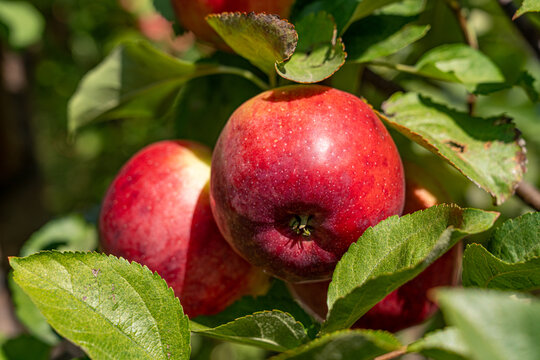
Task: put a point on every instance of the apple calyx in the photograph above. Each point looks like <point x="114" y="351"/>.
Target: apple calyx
<point x="300" y="225"/>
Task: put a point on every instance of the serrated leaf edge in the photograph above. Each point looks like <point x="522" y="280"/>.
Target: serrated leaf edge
<point x="289" y="52"/>
<point x="321" y="339"/>
<point x="139" y="267"/>
<point x="520" y="156"/>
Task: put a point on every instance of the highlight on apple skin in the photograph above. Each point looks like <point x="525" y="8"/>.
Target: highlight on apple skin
<point x="192" y="13"/>
<point x="157" y="212"/>
<point x="408" y="305"/>
<point x="298" y="174"/>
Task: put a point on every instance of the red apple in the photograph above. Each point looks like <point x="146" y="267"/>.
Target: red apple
<point x="298" y="174"/>
<point x="409" y="304"/>
<point x="157" y="212"/>
<point x="192" y="13"/>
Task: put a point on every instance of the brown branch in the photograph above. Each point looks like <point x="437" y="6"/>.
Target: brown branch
<point x="470" y="39"/>
<point x="392" y="355"/>
<point x="529" y="194"/>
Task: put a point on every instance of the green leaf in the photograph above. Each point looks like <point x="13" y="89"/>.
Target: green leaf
<point x="30" y="316"/>
<point x="71" y="232"/>
<point x="24" y="347"/>
<point x="271" y="330"/>
<point x="494" y="325"/>
<point x="319" y="53"/>
<point x="24" y="22"/>
<point x="108" y="306"/>
<point x="345" y="345"/>
<point x="135" y="80"/>
<point x="278" y="297"/>
<point x="445" y="344"/>
<point x="525" y="81"/>
<point x="67" y="233"/>
<point x="483" y="269"/>
<point x="527" y="6"/>
<point x="403" y="8"/>
<point x="489" y="152"/>
<point x="263" y="39"/>
<point x="514" y="261"/>
<point x="377" y="36"/>
<point x="517" y="239"/>
<point x="393" y="252"/>
<point x="459" y="63"/>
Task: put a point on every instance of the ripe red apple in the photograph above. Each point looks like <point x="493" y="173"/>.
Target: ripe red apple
<point x="192" y="13"/>
<point x="409" y="304"/>
<point x="157" y="212"/>
<point x="298" y="174"/>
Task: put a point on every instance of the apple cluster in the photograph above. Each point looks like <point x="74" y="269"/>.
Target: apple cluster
<point x="297" y="174"/>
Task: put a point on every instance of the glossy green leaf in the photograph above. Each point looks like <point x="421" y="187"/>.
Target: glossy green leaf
<point x="24" y="23"/>
<point x="135" y="80"/>
<point x="527" y="6"/>
<point x="490" y="152"/>
<point x="381" y="35"/>
<point x="270" y="330"/>
<point x="319" y="53"/>
<point x="263" y="39"/>
<point x="278" y="297"/>
<point x="29" y="315"/>
<point x="108" y="306"/>
<point x="393" y="252"/>
<point x="494" y="325"/>
<point x="345" y="345"/>
<point x="68" y="233"/>
<point x="445" y="344"/>
<point x="459" y="63"/>
<point x="517" y="239"/>
<point x="483" y="269"/>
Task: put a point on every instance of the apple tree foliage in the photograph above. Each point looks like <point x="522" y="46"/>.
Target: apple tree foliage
<point x="428" y="88"/>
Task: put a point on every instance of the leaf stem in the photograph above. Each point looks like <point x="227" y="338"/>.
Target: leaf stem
<point x="393" y="354"/>
<point x="399" y="67"/>
<point x="272" y="79"/>
<point x="221" y="69"/>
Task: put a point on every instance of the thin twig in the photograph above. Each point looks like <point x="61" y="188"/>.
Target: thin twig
<point x="524" y="26"/>
<point x="222" y="69"/>
<point x="468" y="34"/>
<point x="393" y="354"/>
<point x="529" y="194"/>
<point x="470" y="39"/>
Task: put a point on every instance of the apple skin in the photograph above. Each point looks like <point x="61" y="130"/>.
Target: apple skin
<point x="311" y="152"/>
<point x="192" y="13"/>
<point x="409" y="304"/>
<point x="157" y="213"/>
